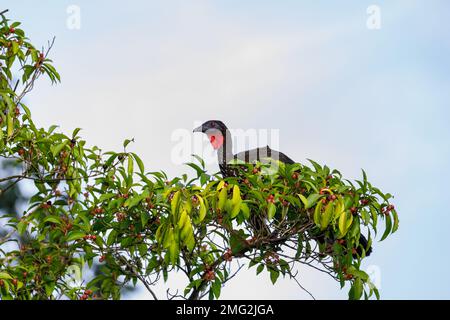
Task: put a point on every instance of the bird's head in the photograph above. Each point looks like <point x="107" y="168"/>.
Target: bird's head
<point x="216" y="131"/>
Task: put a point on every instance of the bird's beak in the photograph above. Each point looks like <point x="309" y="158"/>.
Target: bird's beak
<point x="198" y="129"/>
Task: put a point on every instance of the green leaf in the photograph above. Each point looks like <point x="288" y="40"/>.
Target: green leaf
<point x="106" y="196"/>
<point x="126" y="142"/>
<point x="56" y="150"/>
<point x="222" y="198"/>
<point x="271" y="210"/>
<point x="304" y="200"/>
<point x="5" y="276"/>
<point x="15" y="47"/>
<point x="139" y="162"/>
<point x="22" y="227"/>
<point x="236" y="199"/>
<point x="74" y="235"/>
<point x="52" y="219"/>
<point x="388" y="227"/>
<point x="395" y="216"/>
<point x="326" y="216"/>
<point x="130" y="167"/>
<point x="174" y="202"/>
<point x="274" y="274"/>
<point x="202" y="210"/>
<point x="111" y="237"/>
<point x="259" y="269"/>
<point x="312" y="200"/>
<point x="357" y="289"/>
<point x="345" y="220"/>
<point x="245" y="210"/>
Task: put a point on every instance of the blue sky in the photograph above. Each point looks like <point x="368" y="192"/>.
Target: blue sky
<point x="338" y="92"/>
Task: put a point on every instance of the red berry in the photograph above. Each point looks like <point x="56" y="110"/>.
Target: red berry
<point x="14" y="282"/>
<point x="88" y="292"/>
<point x="21" y="152"/>
<point x="84" y="297"/>
<point x="333" y="197"/>
<point x="353" y="210"/>
<point x="25" y="274"/>
<point x="102" y="258"/>
<point x="295" y="176"/>
<point x="12" y="30"/>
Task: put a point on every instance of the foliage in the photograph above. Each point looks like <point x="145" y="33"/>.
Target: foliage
<point x="91" y="205"/>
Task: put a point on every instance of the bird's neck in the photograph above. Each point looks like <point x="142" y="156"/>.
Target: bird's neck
<point x="225" y="152"/>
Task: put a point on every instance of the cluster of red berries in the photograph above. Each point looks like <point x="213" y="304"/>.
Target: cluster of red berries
<point x="86" y="294"/>
<point x="67" y="228"/>
<point x="255" y="171"/>
<point x="387" y="209"/>
<point x="354" y="210"/>
<point x="348" y="276"/>
<point x="209" y="275"/>
<point x="124" y="196"/>
<point x="228" y="255"/>
<point x="295" y="176"/>
<point x="364" y="202"/>
<point x="96" y="211"/>
<point x="102" y="258"/>
<point x="120" y="216"/>
<point x="90" y="237"/>
<point x="271" y="198"/>
<point x="194" y="200"/>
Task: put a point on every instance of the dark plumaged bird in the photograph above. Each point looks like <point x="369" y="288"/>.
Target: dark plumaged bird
<point x="220" y="138"/>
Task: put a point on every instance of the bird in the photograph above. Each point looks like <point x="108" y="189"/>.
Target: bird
<point x="221" y="140"/>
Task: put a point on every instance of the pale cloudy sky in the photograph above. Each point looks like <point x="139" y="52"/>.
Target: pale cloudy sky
<point x="337" y="92"/>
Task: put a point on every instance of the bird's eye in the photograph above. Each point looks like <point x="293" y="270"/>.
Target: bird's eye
<point x="212" y="139"/>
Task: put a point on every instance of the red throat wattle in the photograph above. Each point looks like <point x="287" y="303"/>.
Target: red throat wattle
<point x="216" y="140"/>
